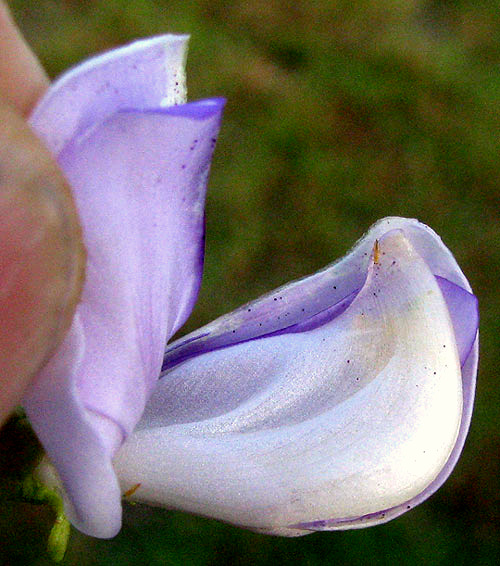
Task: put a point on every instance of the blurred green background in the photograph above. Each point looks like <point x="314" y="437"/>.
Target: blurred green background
<point x="339" y="113"/>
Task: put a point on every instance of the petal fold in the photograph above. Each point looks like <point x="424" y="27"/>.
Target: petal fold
<point x="306" y="302"/>
<point x="148" y="73"/>
<point x="464" y="312"/>
<point x="329" y="403"/>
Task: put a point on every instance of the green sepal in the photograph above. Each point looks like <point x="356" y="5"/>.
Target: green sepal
<point x="58" y="538"/>
<point x="20" y="454"/>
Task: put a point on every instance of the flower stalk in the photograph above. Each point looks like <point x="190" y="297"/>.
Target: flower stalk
<point x="21" y="455"/>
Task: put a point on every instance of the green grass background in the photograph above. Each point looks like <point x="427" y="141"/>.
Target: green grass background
<point x="338" y="113"/>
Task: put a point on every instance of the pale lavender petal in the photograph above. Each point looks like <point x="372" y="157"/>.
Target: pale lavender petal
<point x="354" y="416"/>
<point x="142" y="207"/>
<point x="68" y="432"/>
<point x="146" y="74"/>
<point x="139" y="181"/>
<point x="323" y="294"/>
<point x="138" y="171"/>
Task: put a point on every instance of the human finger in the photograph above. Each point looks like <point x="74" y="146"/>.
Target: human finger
<point x="42" y="257"/>
<point x="22" y="78"/>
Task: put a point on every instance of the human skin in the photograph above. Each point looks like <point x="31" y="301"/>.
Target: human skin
<point x="22" y="78"/>
<point x="42" y="257"/>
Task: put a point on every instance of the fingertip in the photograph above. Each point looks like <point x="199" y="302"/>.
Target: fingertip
<point x="22" y="78"/>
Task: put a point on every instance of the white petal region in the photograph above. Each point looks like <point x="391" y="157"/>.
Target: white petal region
<point x="355" y="416"/>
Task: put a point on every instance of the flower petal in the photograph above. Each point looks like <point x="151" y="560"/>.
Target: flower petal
<point x="139" y="182"/>
<point x="334" y="287"/>
<point x="464" y="314"/>
<point x="354" y="416"/>
<point x="145" y="74"/>
<point x="139" y="178"/>
<point x="92" y="495"/>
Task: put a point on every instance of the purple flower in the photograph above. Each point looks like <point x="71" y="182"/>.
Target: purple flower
<point x="137" y="159"/>
<point x="337" y="401"/>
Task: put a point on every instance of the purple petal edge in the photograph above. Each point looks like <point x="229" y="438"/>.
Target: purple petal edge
<point x="463" y="307"/>
<point x="464" y="312"/>
<point x="198" y="110"/>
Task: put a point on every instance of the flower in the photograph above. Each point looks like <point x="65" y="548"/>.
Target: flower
<point x="137" y="159"/>
<point x="338" y="401"/>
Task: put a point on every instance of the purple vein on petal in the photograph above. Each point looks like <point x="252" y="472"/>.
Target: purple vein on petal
<point x="297" y="302"/>
<point x="309" y="323"/>
<point x="463" y="307"/>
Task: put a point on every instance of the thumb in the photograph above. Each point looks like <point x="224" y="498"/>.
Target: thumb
<point x="42" y="257"/>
